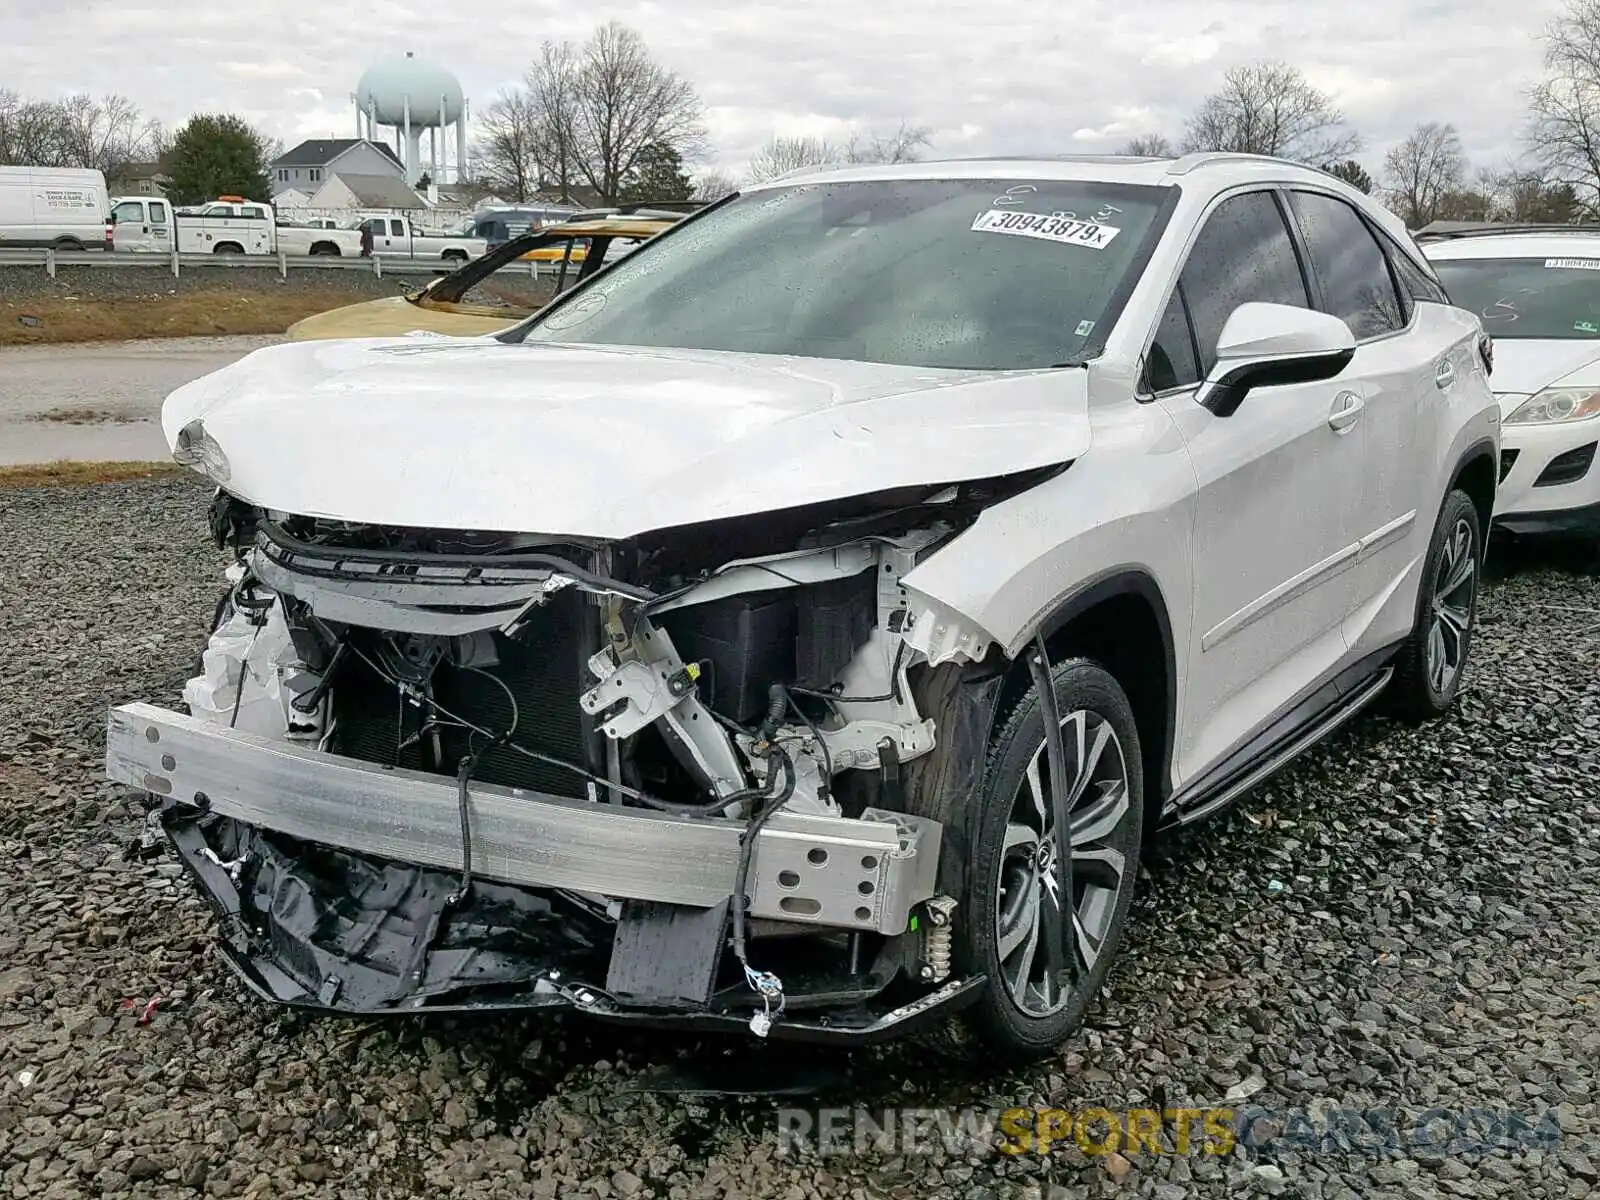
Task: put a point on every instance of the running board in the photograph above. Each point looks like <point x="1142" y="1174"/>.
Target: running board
<point x="1204" y="805"/>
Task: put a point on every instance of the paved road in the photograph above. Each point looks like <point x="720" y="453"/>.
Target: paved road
<point x="114" y="389"/>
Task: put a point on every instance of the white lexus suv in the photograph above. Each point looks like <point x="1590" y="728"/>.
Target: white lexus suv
<point x="1537" y="292"/>
<point x="801" y="625"/>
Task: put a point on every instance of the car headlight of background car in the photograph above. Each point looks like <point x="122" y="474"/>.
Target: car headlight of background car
<point x="1556" y="405"/>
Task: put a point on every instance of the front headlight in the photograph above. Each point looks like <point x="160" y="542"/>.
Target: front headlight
<point x="1555" y="405"/>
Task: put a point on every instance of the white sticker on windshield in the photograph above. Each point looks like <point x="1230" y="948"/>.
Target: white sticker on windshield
<point x="1572" y="264"/>
<point x="1049" y="227"/>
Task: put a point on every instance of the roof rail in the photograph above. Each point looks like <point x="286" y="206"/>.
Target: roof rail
<point x="1205" y="158"/>
<point x="1065" y="158"/>
<point x="1495" y="229"/>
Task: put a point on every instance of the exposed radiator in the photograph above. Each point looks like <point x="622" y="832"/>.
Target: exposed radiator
<point x="546" y="671"/>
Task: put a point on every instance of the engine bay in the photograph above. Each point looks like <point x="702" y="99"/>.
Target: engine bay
<point x="699" y="678"/>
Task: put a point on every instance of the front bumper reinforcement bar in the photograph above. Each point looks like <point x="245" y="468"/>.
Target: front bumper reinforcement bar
<point x="833" y="872"/>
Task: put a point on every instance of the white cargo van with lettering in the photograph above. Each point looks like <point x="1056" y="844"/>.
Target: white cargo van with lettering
<point x="50" y="207"/>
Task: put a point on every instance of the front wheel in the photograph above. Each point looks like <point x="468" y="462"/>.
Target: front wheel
<point x="1429" y="670"/>
<point x="1045" y="947"/>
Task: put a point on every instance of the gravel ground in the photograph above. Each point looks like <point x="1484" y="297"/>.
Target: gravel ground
<point x="1409" y="918"/>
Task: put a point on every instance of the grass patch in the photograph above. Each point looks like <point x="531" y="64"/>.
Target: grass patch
<point x="46" y="320"/>
<point x="63" y="473"/>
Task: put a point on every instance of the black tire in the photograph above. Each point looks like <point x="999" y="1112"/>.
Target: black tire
<point x="1416" y="693"/>
<point x="997" y="1026"/>
<point x="322" y="249"/>
<point x="68" y="244"/>
<point x="454" y="256"/>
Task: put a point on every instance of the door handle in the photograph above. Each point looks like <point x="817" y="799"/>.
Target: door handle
<point x="1445" y="374"/>
<point x="1346" y="411"/>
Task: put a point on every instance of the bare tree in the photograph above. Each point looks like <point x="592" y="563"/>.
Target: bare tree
<point x="780" y="155"/>
<point x="710" y="186"/>
<point x="1526" y="193"/>
<point x="507" y="161"/>
<point x="78" y="131"/>
<point x="1270" y="108"/>
<point x="1420" y="172"/>
<point x="33" y="135"/>
<point x="552" y="84"/>
<point x="905" y="144"/>
<point x="1147" y="145"/>
<point x="625" y="102"/>
<point x="107" y="134"/>
<point x="1563" y="133"/>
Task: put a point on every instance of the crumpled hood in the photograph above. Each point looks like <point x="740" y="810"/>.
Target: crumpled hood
<point x="472" y="433"/>
<point x="1523" y="366"/>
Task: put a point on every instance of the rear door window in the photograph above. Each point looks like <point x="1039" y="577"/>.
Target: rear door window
<point x="1414" y="280"/>
<point x="1356" y="284"/>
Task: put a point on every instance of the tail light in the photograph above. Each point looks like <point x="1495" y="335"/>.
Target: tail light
<point x="1486" y="352"/>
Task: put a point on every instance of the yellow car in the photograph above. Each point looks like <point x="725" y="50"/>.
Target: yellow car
<point x="496" y="291"/>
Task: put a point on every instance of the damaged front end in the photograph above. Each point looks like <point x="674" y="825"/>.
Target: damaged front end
<point x="700" y="778"/>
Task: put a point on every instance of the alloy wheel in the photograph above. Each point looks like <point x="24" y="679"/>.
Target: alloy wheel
<point x="1454" y="590"/>
<point x="1031" y="936"/>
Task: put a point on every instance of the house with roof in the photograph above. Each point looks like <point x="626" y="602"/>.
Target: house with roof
<point x="138" y="179"/>
<point x="341" y="174"/>
<point x="353" y="191"/>
<point x="312" y="163"/>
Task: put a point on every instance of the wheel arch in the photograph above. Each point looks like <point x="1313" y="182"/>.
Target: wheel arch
<point x="1120" y="619"/>
<point x="1477" y="472"/>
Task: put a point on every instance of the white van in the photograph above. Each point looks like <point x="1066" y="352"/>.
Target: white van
<point x="52" y="206"/>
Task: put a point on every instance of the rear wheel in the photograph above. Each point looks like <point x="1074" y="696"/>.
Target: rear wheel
<point x="68" y="244"/>
<point x="325" y="248"/>
<point x="454" y="256"/>
<point x="228" y="248"/>
<point x="1430" y="667"/>
<point x="1046" y="949"/>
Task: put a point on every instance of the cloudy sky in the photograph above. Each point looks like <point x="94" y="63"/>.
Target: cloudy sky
<point x="1002" y="78"/>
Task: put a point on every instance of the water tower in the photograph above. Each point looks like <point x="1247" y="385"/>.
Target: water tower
<point x="409" y="95"/>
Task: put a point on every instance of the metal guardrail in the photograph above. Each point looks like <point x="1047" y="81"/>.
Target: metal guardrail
<point x="50" y="260"/>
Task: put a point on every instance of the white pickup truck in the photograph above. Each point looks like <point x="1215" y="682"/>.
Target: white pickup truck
<point x="142" y="225"/>
<point x="397" y="237"/>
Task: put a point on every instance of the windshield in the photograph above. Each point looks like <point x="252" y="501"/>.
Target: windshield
<point x="1527" y="297"/>
<point x="966" y="274"/>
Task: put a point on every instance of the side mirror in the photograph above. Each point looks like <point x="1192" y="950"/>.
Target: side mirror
<point x="1272" y="345"/>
